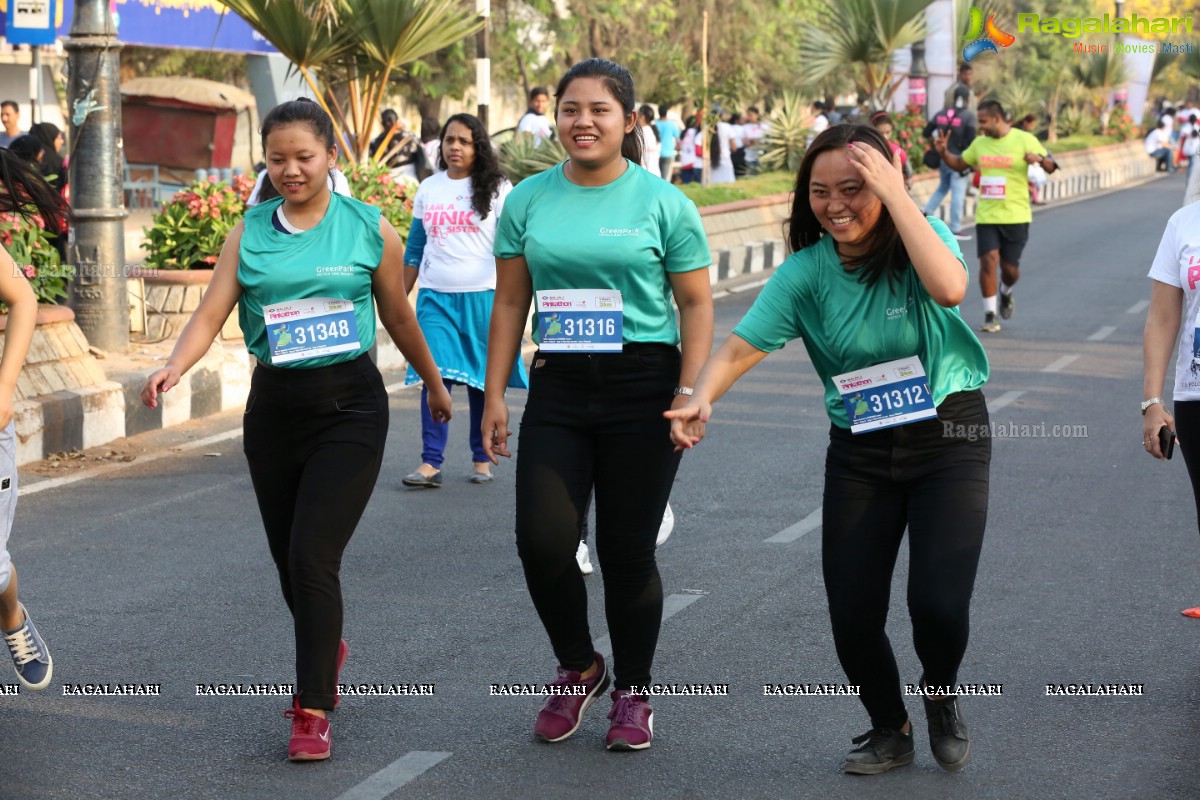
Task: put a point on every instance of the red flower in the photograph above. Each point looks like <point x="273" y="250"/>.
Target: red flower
<point x="29" y="271"/>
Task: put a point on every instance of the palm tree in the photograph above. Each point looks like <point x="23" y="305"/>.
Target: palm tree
<point x="354" y="46"/>
<point x="858" y="37"/>
<point x="1101" y="73"/>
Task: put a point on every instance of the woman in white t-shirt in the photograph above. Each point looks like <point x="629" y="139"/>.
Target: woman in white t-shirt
<point x="1173" y="322"/>
<point x="722" y="158"/>
<point x="651" y="144"/>
<point x="450" y="249"/>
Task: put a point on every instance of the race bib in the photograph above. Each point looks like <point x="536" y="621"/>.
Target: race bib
<point x="992" y="187"/>
<point x="580" y="321"/>
<point x="886" y="395"/>
<point x="301" y="329"/>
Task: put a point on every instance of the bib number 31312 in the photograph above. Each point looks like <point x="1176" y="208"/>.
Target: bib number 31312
<point x="885" y="395"/>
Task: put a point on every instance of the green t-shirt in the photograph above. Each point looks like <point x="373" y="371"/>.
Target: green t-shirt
<point x="626" y="235"/>
<point x="337" y="258"/>
<point x="1002" y="166"/>
<point x="847" y="325"/>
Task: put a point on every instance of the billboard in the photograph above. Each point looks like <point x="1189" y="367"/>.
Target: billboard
<point x="197" y="24"/>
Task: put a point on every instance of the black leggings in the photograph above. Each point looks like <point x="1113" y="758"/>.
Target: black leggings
<point x="314" y="440"/>
<point x="1187" y="426"/>
<point x="596" y="421"/>
<point x="876" y="485"/>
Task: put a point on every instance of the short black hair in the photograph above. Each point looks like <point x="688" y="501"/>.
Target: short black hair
<point x="993" y="107"/>
<point x="538" y="91"/>
<point x="12" y="103"/>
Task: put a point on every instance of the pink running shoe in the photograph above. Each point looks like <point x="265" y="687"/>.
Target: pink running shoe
<point x="632" y="725"/>
<point x="343" y="651"/>
<point x="310" y="735"/>
<point x="563" y="712"/>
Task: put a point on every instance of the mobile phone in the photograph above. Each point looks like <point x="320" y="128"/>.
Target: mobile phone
<point x="1166" y="441"/>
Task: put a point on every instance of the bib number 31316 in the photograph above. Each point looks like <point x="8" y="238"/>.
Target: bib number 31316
<point x="303" y="329"/>
<point x="580" y="321"/>
<point x="885" y="395"/>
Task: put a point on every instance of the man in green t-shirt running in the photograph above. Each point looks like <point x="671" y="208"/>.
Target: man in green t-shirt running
<point x="1002" y="155"/>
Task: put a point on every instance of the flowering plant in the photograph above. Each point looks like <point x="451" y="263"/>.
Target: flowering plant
<point x="28" y="242"/>
<point x="372" y="182"/>
<point x="909" y="126"/>
<point x="188" y="231"/>
<point x="1120" y="124"/>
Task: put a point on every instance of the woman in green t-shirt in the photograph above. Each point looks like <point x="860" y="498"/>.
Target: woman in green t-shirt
<point x="604" y="246"/>
<point x="873" y="288"/>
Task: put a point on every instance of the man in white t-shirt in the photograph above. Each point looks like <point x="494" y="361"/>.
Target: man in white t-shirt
<point x="535" y="122"/>
<point x="1158" y="147"/>
<point x="752" y="133"/>
<point x="818" y="123"/>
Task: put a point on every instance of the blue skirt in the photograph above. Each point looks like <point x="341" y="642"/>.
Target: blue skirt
<point x="456" y="326"/>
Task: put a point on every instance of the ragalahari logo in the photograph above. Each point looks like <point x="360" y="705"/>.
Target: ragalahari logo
<point x="984" y="37"/>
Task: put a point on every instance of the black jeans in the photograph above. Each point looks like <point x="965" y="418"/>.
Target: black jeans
<point x="1187" y="426"/>
<point x="314" y="440"/>
<point x="597" y="421"/>
<point x="930" y="477"/>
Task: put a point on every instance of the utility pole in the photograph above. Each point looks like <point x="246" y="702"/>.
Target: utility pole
<point x="483" y="65"/>
<point x="97" y="243"/>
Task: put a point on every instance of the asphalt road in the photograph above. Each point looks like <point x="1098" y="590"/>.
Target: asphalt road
<point x="158" y="573"/>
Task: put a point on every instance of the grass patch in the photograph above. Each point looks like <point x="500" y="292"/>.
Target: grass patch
<point x="762" y="185"/>
<point x="1082" y="141"/>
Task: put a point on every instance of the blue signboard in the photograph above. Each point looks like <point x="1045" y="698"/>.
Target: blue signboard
<point x="197" y="24"/>
<point x="30" y="21"/>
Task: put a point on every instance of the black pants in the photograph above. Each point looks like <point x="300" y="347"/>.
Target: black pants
<point x="596" y="421"/>
<point x="314" y="440"/>
<point x="1187" y="426"/>
<point x="933" y="479"/>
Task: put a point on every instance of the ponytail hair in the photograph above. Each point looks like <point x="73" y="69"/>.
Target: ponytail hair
<point x="619" y="83"/>
<point x="24" y="191"/>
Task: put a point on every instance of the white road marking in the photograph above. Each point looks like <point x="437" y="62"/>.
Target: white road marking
<point x="1102" y="334"/>
<point x="1138" y="307"/>
<point x="66" y="480"/>
<point x="794" y="532"/>
<point x="720" y="294"/>
<point x="394" y="775"/>
<point x="1003" y="400"/>
<point x="672" y="605"/>
<point x="1058" y="365"/>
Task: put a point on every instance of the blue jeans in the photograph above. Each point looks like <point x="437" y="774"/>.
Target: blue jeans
<point x="435" y="434"/>
<point x="1163" y="157"/>
<point x="956" y="185"/>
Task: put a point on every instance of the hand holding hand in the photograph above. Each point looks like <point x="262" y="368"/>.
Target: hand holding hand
<point x="689" y="421"/>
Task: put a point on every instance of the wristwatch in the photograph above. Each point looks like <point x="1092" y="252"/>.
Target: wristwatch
<point x="1147" y="403"/>
<point x="689" y="391"/>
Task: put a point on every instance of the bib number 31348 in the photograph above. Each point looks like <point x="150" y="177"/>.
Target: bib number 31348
<point x="303" y="329"/>
<point x="885" y="395"/>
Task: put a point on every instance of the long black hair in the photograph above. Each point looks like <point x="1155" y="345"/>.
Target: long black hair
<point x="619" y="83"/>
<point x="885" y="251"/>
<point x="646" y="112"/>
<point x="301" y="111"/>
<point x="52" y="161"/>
<point x="486" y="174"/>
<point x="24" y="191"/>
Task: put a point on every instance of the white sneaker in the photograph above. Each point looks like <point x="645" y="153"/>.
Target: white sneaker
<point x="583" y="559"/>
<point x="668" y="525"/>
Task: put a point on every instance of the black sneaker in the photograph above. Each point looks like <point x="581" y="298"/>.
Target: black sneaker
<point x="879" y="750"/>
<point x="1007" y="304"/>
<point x="948" y="736"/>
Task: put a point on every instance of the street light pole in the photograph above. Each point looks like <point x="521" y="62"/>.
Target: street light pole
<point x="483" y="64"/>
<point x="918" y="73"/>
<point x="97" y="294"/>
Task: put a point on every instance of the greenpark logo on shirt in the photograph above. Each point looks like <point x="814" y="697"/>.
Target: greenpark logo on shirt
<point x="340" y="269"/>
<point x="899" y="311"/>
<point x="620" y="231"/>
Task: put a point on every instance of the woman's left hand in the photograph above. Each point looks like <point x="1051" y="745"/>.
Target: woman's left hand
<point x="883" y="177"/>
